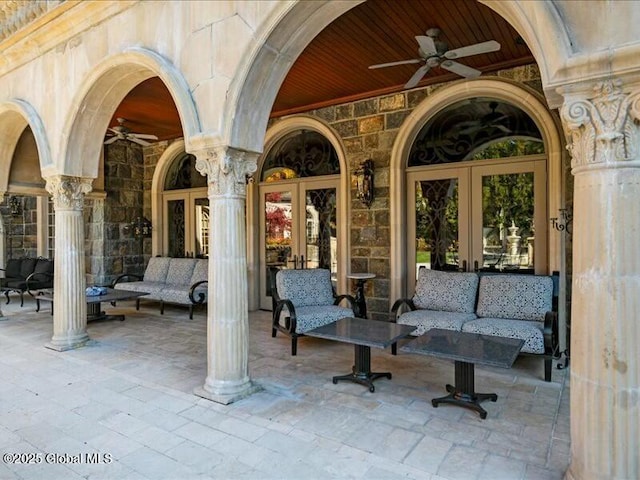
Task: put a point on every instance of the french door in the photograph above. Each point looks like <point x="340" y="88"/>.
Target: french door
<point x="186" y="221"/>
<point x="478" y="216"/>
<point x="298" y="229"/>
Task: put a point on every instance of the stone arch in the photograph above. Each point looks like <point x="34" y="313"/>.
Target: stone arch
<point x="545" y="33"/>
<point x="280" y="42"/>
<point x="274" y="134"/>
<point x="15" y="116"/>
<point x="102" y="92"/>
<point x="283" y="39"/>
<point x="527" y="100"/>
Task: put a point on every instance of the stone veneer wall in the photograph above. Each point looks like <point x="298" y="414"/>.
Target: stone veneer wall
<point x="368" y="129"/>
<point x="21" y="231"/>
<point x="111" y="248"/>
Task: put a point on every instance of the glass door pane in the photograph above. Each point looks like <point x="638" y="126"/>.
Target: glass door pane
<point x="320" y="229"/>
<point x="507" y="221"/>
<point x="175" y="225"/>
<point x="278" y="247"/>
<point x="437" y="227"/>
<point x="438" y="219"/>
<point x="201" y="227"/>
<point x="509" y="217"/>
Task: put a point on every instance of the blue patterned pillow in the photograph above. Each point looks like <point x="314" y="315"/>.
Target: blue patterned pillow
<point x="521" y="297"/>
<point x="446" y="291"/>
<point x="311" y="287"/>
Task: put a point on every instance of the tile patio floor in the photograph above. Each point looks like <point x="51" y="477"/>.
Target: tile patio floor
<point x="129" y="395"/>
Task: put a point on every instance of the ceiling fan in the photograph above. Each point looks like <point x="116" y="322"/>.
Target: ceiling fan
<point x="490" y="120"/>
<point x="434" y="53"/>
<point x="120" y="132"/>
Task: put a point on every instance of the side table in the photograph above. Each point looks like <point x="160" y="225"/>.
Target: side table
<point x="361" y="305"/>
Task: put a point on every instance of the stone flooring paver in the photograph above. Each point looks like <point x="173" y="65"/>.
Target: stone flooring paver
<point x="129" y="395"/>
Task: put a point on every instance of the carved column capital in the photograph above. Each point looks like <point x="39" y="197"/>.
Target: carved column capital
<point x="227" y="170"/>
<point x="600" y="125"/>
<point x="68" y="192"/>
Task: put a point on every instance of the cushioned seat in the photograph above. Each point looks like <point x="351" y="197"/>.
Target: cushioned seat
<point x="304" y="300"/>
<point x="441" y="300"/>
<point x="27" y="275"/>
<point x="179" y="281"/>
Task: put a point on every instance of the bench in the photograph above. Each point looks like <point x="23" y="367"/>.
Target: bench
<point x="177" y="281"/>
<point x="26" y="275"/>
<point x="506" y="305"/>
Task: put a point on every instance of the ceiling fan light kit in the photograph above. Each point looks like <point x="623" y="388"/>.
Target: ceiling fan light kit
<point x="435" y="53"/>
<point x="121" y="132"/>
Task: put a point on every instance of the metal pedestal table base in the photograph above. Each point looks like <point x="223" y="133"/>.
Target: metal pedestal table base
<point x="463" y="393"/>
<point x="361" y="372"/>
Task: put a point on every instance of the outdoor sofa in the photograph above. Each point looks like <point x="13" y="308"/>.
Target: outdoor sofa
<point x="506" y="305"/>
<point x="26" y="275"/>
<point x="177" y="281"/>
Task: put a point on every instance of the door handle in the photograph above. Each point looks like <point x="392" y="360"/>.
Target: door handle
<point x="476" y="268"/>
<point x="464" y="266"/>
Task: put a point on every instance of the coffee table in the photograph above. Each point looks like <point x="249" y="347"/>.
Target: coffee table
<point x="94" y="310"/>
<point x="466" y="349"/>
<point x="363" y="334"/>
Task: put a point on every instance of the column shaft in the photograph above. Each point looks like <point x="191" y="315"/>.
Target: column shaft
<point x="69" y="306"/>
<point x="605" y="379"/>
<point x="227" y="309"/>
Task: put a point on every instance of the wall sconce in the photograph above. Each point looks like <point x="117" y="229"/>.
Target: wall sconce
<point x="15" y="206"/>
<point x="141" y="227"/>
<point x="363" y="178"/>
<point x="563" y="222"/>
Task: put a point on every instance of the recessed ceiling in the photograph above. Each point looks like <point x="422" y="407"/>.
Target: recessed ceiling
<point x="333" y="69"/>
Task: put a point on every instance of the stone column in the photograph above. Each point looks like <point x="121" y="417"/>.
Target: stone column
<point x="600" y="123"/>
<point x="227" y="308"/>
<point x="69" y="301"/>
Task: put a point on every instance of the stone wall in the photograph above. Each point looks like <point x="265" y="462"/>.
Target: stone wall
<point x="21" y="231"/>
<point x="111" y="248"/>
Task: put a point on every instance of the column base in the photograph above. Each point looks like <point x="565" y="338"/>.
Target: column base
<point x="62" y="345"/>
<point x="227" y="398"/>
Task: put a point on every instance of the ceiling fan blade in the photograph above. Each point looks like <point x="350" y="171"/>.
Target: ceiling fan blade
<point x="393" y="64"/>
<point x="138" y="141"/>
<point x="427" y="45"/>
<point x="109" y="141"/>
<point x="421" y="72"/>
<point x="484" y="47"/>
<point x="146" y="136"/>
<point x="460" y="69"/>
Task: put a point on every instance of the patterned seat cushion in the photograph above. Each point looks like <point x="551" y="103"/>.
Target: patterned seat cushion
<point x="311" y="317"/>
<point x="180" y="271"/>
<point x="154" y="289"/>
<point x="200" y="272"/>
<point x="529" y="331"/>
<point x="305" y="288"/>
<point x="179" y="294"/>
<point x="156" y="270"/>
<point x="446" y="291"/>
<point x="427" y="319"/>
<point x="523" y="297"/>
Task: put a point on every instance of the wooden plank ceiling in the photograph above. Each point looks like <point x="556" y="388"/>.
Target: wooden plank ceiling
<point x="333" y="69"/>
